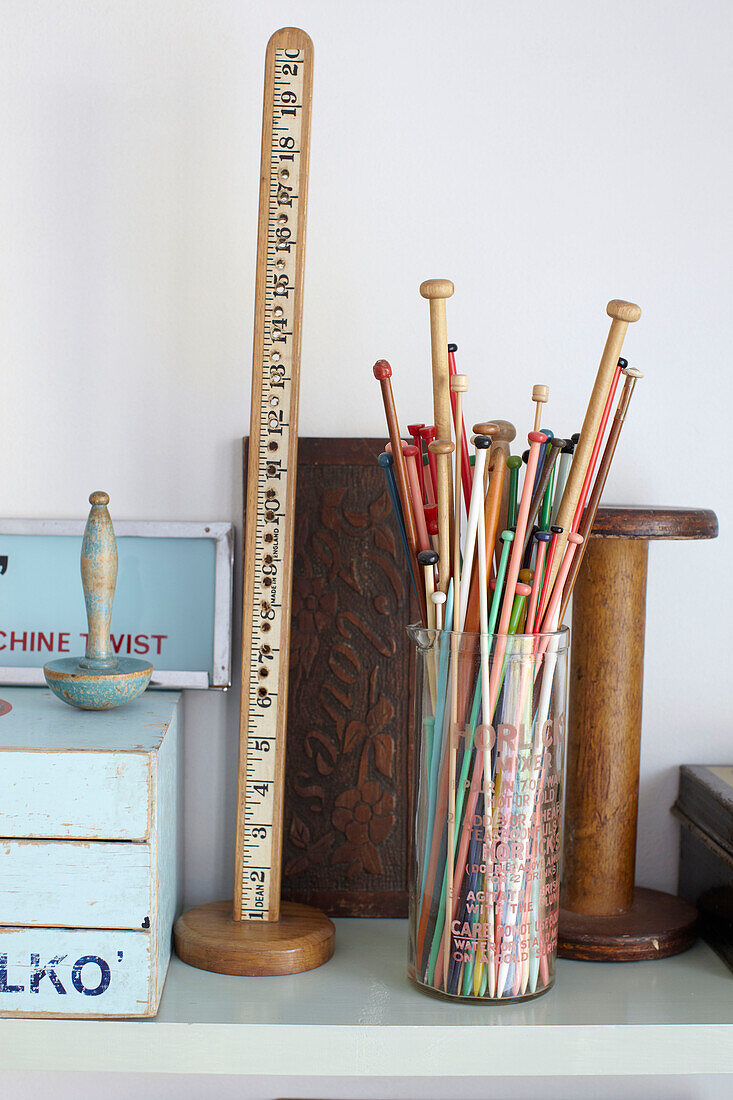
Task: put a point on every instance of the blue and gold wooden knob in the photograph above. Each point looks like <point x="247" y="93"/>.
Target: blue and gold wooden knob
<point x="99" y="680"/>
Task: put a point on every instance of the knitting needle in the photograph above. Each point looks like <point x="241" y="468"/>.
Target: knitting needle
<point x="543" y="537"/>
<point x="458" y="385"/>
<point x="507" y="537"/>
<point x="443" y="449"/>
<point x="386" y="461"/>
<point x="631" y="377"/>
<point x="410" y="453"/>
<point x="483" y="544"/>
<point x="551" y="620"/>
<point x="428" y="560"/>
<point x="438" y="599"/>
<point x="622" y="314"/>
<point x="466" y="474"/>
<point x="427" y="435"/>
<point x="554" y="448"/>
<point x="540" y="394"/>
<point x="597" y="445"/>
<point x="414" y="430"/>
<point x="502" y="434"/>
<point x="545" y="591"/>
<point x="437" y="291"/>
<point x="535" y="439"/>
<point x="383" y="373"/>
<point x="514" y="463"/>
<point x="476" y="509"/>
<point x="492" y="509"/>
<point x="563" y="469"/>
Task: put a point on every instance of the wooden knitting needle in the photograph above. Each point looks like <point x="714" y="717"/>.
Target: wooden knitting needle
<point x="589" y="516"/>
<point x="622" y="314"/>
<point x="437" y="291"/>
<point x="383" y="373"/>
<point x="540" y="394"/>
<point x="597" y="445"/>
<point x="443" y="449"/>
<point x="502" y="434"/>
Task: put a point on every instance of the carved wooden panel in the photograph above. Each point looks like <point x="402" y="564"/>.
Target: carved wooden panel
<point x="346" y="822"/>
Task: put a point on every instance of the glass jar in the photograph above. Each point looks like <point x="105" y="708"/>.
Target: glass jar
<point x="487" y="842"/>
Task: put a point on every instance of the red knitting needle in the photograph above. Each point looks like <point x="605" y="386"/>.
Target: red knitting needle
<point x="428" y="435"/>
<point x="414" y="430"/>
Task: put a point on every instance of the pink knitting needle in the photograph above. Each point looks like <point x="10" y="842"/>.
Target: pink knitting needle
<point x="411" y="454"/>
<point x="428" y="435"/>
<point x="621" y="365"/>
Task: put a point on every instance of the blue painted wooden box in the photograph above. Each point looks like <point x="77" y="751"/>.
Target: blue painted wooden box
<point x="89" y="854"/>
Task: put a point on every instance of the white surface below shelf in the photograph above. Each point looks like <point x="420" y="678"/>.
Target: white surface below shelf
<point x="359" y="1016"/>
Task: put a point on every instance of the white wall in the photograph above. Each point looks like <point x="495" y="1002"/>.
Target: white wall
<point x="545" y="156"/>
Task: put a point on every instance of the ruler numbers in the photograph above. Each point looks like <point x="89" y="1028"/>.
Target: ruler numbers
<point x="266" y="711"/>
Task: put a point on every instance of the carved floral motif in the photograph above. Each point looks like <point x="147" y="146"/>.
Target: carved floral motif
<point x="345" y="806"/>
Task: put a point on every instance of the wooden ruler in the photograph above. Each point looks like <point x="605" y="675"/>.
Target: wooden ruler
<point x="273" y="443"/>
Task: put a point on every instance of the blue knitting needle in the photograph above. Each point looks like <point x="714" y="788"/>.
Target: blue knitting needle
<point x="386" y="461"/>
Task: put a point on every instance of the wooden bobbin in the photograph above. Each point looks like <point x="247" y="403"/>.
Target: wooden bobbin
<point x="604" y="916"/>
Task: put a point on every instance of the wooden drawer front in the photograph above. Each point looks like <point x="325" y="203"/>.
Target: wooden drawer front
<point x="75" y="972"/>
<point x="76" y="884"/>
<point x="85" y="795"/>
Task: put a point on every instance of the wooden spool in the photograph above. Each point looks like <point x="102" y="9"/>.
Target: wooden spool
<point x="603" y="916"/>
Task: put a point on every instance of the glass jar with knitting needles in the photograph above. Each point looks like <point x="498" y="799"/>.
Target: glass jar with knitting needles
<point x="485" y="874"/>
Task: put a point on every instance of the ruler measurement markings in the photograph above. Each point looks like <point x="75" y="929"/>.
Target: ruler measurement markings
<point x="279" y="344"/>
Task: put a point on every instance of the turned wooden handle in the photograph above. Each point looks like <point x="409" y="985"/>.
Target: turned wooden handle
<point x="622" y="314"/>
<point x="436" y="291"/>
<point x="98" y="578"/>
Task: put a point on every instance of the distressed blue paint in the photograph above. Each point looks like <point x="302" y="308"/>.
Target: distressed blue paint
<point x="5" y="987"/>
<point x="48" y="970"/>
<point x="99" y="680"/>
<point x="66" y="777"/>
<point x="88" y="690"/>
<point x="104" y="979"/>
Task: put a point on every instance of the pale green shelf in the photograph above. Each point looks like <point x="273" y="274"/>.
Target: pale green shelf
<point x="359" y="1016"/>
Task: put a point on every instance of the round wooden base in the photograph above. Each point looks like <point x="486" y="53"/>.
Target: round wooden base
<point x="657" y="925"/>
<point x="208" y="937"/>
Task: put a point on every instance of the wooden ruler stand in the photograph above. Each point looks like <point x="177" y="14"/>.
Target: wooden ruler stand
<point x="257" y="934"/>
<point x="603" y="916"/>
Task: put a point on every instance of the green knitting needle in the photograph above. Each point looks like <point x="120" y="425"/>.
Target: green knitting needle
<point x="514" y="462"/>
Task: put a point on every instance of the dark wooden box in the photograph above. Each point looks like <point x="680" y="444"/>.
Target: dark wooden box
<point x="704" y="808"/>
<point x="346" y="821"/>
